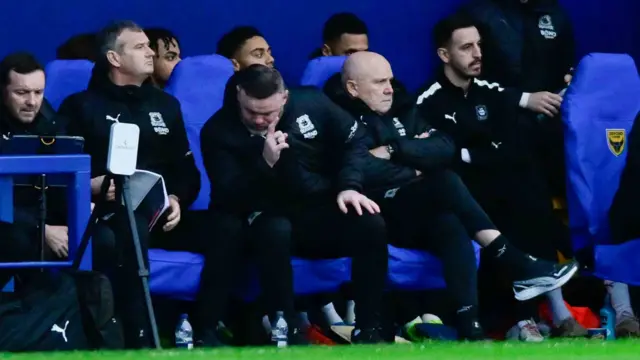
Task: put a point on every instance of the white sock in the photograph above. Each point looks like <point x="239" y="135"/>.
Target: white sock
<point x="559" y="309"/>
<point x="620" y="300"/>
<point x="331" y="315"/>
<point x="266" y="324"/>
<point x="350" y="316"/>
<point x="304" y="319"/>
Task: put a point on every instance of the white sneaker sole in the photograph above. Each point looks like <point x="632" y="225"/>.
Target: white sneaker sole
<point x="535" y="291"/>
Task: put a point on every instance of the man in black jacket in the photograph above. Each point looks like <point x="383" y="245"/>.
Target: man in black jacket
<point x="23" y="111"/>
<point x="424" y="203"/>
<point x="529" y="45"/>
<point x="278" y="158"/>
<point x="492" y="156"/>
<point x="118" y="92"/>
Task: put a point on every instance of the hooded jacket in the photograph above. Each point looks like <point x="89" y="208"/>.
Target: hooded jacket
<point x="397" y="128"/>
<point x="163" y="146"/>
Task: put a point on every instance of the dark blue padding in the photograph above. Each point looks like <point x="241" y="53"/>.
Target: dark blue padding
<point x="320" y="69"/>
<point x="177" y="274"/>
<point x="604" y="97"/>
<point x="66" y="77"/>
<point x="198" y="83"/>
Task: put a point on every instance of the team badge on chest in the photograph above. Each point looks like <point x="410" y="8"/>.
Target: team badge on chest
<point x="158" y="123"/>
<point x="481" y="113"/>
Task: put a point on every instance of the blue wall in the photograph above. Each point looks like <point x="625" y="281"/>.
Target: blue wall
<point x="400" y="29"/>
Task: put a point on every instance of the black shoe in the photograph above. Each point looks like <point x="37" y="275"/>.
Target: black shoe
<point x="208" y="339"/>
<point x="471" y="331"/>
<point x="366" y="336"/>
<point x="297" y="337"/>
<point x="549" y="276"/>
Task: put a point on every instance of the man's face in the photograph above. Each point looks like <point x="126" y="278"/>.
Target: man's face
<point x="134" y="56"/>
<point x="24" y="94"/>
<point x="463" y="52"/>
<point x="256" y="50"/>
<point x="258" y="114"/>
<point x="167" y="57"/>
<point x="347" y="45"/>
<point x="373" y="86"/>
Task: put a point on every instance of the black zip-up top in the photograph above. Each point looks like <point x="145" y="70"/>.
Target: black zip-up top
<point x="397" y="128"/>
<point x="480" y="121"/>
<point x="163" y="146"/>
<point x="27" y="199"/>
<point x="324" y="157"/>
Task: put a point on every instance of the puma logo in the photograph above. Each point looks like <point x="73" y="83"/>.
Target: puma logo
<point x="496" y="145"/>
<point x="451" y="117"/>
<point x="501" y="251"/>
<point x="114" y="119"/>
<point x="63" y="331"/>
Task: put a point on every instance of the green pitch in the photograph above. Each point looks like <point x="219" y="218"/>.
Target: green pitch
<point x="565" y="350"/>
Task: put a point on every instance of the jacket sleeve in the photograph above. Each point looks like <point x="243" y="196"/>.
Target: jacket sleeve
<point x="233" y="185"/>
<point x="183" y="177"/>
<point x="426" y="154"/>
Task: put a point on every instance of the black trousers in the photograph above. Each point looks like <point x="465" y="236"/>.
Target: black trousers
<point x="438" y="214"/>
<point x="315" y="232"/>
<point x="19" y="243"/>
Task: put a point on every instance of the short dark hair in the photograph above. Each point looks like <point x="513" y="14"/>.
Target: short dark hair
<point x="78" y="47"/>
<point x="259" y="81"/>
<point x="343" y="23"/>
<point x="106" y="38"/>
<point x="20" y="62"/>
<point x="443" y="30"/>
<point x="167" y="37"/>
<point x="232" y="41"/>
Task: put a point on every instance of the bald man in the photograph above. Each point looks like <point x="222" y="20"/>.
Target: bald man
<point x="426" y="205"/>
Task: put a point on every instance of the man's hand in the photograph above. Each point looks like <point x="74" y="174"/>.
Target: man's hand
<point x="381" y="152"/>
<point x="358" y="201"/>
<point x="96" y="186"/>
<point x="424" y="135"/>
<point x="544" y="102"/>
<point x="57" y="238"/>
<point x="174" y="214"/>
<point x="275" y="142"/>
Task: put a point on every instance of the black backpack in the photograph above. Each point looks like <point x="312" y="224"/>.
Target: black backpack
<point x="68" y="310"/>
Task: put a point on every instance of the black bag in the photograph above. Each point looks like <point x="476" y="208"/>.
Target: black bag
<point x="63" y="311"/>
<point x="44" y="315"/>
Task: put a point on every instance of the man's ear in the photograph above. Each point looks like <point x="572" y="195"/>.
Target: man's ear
<point x="113" y="58"/>
<point x="352" y="88"/>
<point x="326" y="50"/>
<point x="443" y="54"/>
<point x="236" y="65"/>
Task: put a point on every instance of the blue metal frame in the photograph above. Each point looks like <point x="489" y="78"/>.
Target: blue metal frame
<point x="78" y="198"/>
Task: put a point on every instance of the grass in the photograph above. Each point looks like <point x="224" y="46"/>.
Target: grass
<point x="551" y="349"/>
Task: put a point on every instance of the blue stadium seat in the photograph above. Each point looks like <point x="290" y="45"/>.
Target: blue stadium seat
<point x="598" y="111"/>
<point x="198" y="83"/>
<point x="319" y="70"/>
<point x="66" y="77"/>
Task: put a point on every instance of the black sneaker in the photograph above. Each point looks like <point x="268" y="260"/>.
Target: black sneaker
<point x="298" y="337"/>
<point x="549" y="276"/>
<point x="366" y="336"/>
<point x="471" y="331"/>
<point x="207" y="339"/>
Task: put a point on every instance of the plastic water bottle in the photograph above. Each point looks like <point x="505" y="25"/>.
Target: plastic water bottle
<point x="184" y="333"/>
<point x="608" y="318"/>
<point x="279" y="330"/>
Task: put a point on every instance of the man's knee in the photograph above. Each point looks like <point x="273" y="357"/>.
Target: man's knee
<point x="268" y="231"/>
<point x="370" y="228"/>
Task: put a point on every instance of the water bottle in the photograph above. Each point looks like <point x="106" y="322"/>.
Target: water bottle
<point x="279" y="330"/>
<point x="608" y="319"/>
<point x="184" y="333"/>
